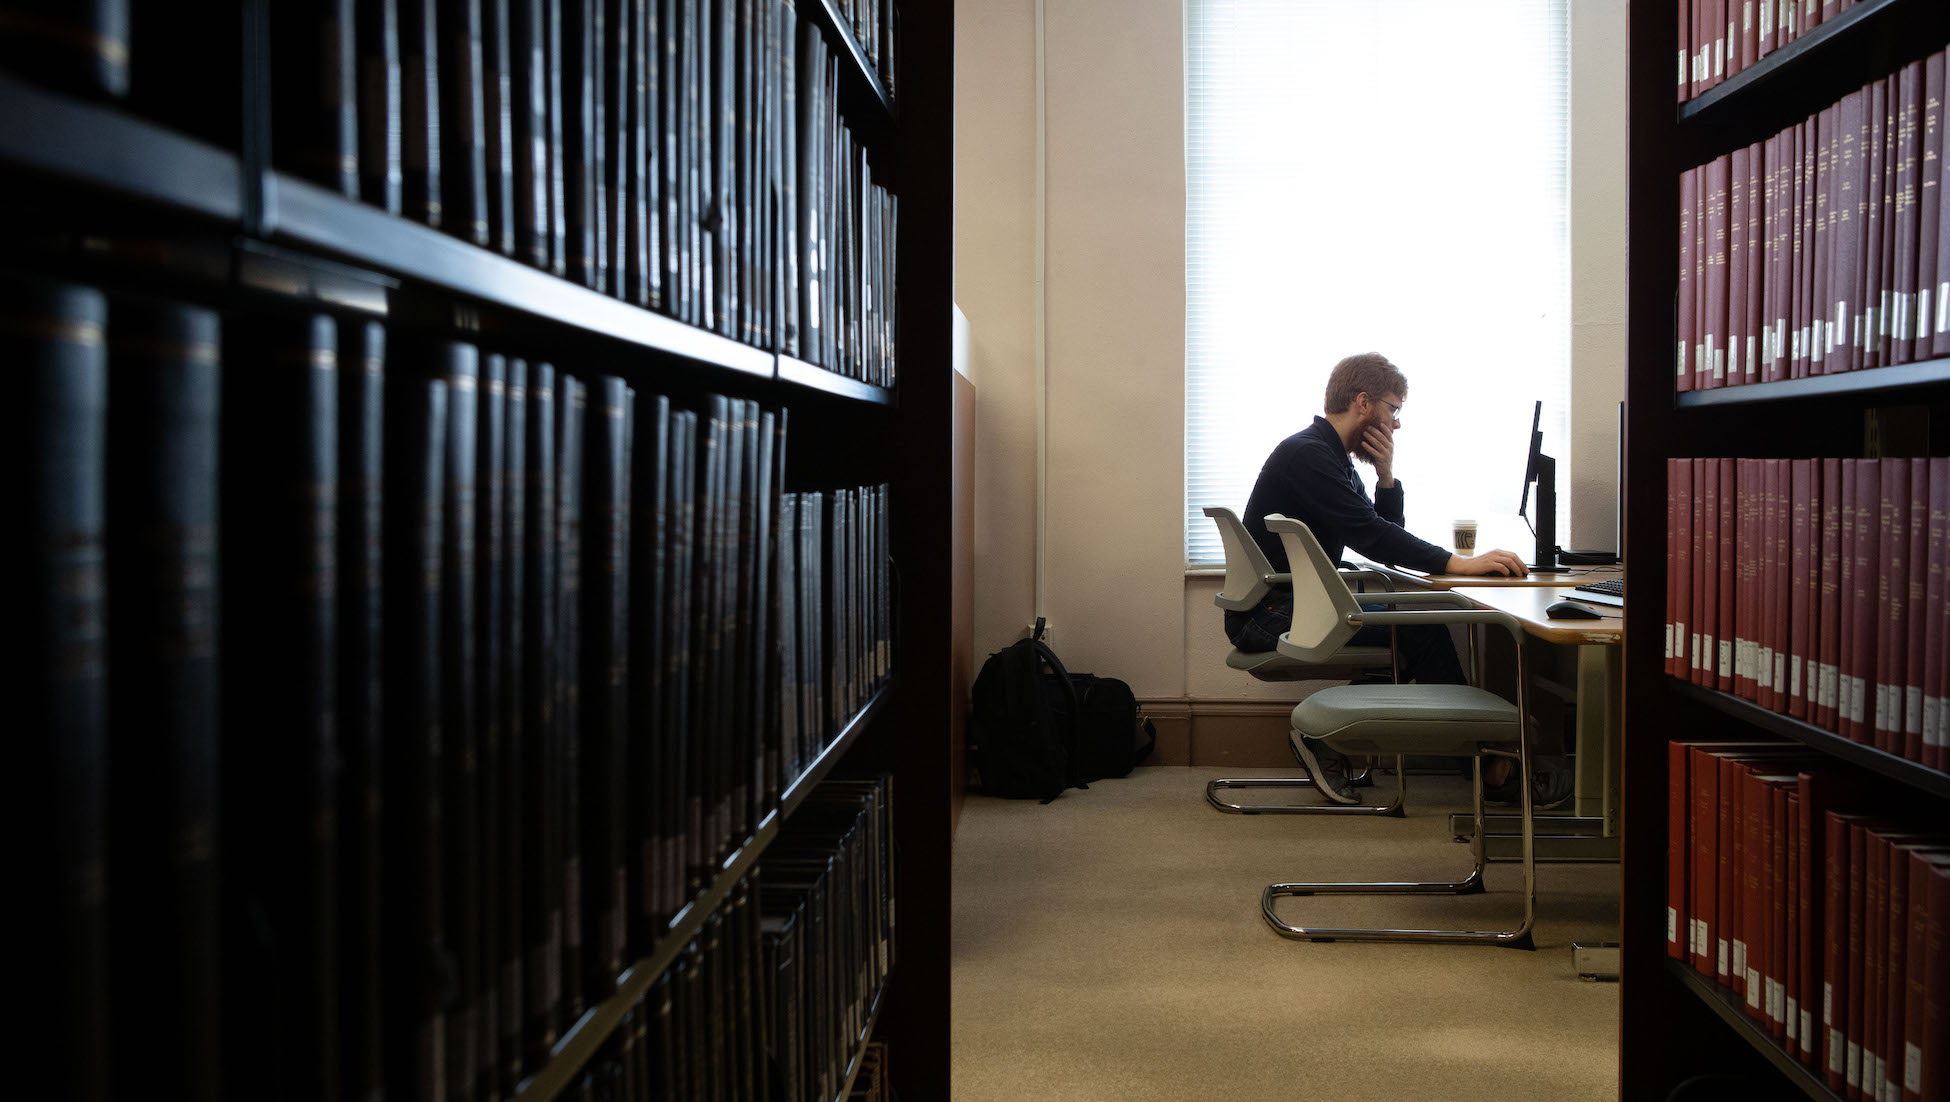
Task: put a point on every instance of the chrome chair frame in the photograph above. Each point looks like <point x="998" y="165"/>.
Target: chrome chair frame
<point x="1347" y="617"/>
<point x="1249" y="578"/>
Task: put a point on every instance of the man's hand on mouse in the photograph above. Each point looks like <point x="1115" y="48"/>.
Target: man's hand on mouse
<point x="1489" y="564"/>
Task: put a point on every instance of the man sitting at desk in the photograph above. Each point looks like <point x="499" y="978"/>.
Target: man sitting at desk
<point x="1309" y="477"/>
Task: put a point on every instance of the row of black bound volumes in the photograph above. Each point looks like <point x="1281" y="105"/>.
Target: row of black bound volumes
<point x="773" y="1000"/>
<point x="688" y="156"/>
<point x="387" y="697"/>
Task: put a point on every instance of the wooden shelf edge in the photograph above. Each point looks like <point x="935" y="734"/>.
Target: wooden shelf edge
<point x="812" y="376"/>
<point x="1784" y="60"/>
<point x="104" y="146"/>
<point x="857" y="61"/>
<point x="581" y="1040"/>
<point x="296" y="211"/>
<point x="1896" y="768"/>
<point x="1722" y="1003"/>
<point x="1869" y="380"/>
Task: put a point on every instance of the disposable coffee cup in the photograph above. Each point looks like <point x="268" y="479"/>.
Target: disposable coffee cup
<point x="1465" y="541"/>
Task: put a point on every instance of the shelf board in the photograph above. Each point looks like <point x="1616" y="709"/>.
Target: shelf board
<point x="581" y="1040"/>
<point x="1730" y="1010"/>
<point x="106" y="147"/>
<point x="1874" y="380"/>
<point x="793" y="370"/>
<point x="299" y="212"/>
<point x="1857" y="23"/>
<point x="854" y="58"/>
<point x="1898" y="769"/>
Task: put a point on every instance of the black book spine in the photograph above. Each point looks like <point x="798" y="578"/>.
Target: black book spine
<point x="605" y="673"/>
<point x="679" y="791"/>
<point x="570" y="404"/>
<point x="667" y="135"/>
<point x="464" y="77"/>
<point x="556" y="24"/>
<point x="789" y="213"/>
<point x="79" y="47"/>
<point x="381" y="175"/>
<point x="642" y="281"/>
<point x="723" y="628"/>
<point x="765" y="766"/>
<point x="315" y="82"/>
<point x="704" y="738"/>
<point x="704" y="122"/>
<point x="513" y="827"/>
<point x="718" y="1019"/>
<point x="279" y="706"/>
<point x="750" y="39"/>
<point x="620" y="96"/>
<point x="530" y="125"/>
<point x="58" y="438"/>
<point x="808" y="70"/>
<point x="420" y="108"/>
<point x="729" y="685"/>
<point x="163" y="610"/>
<point x="749" y="691"/>
<point x="490" y="612"/>
<point x="596" y="63"/>
<point x="361" y="704"/>
<point x="460" y="368"/>
<point x="498" y="117"/>
<point x="786" y="650"/>
<point x="579" y="136"/>
<point x="418" y="965"/>
<point x="663" y="1037"/>
<point x="541" y="840"/>
<point x="647" y="732"/>
<point x="724" y="148"/>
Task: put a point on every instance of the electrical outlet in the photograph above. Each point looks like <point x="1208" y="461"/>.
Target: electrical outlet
<point x="1049" y="633"/>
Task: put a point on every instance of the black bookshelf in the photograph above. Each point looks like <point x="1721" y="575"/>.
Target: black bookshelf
<point x="854" y="61"/>
<point x="1729" y="1009"/>
<point x="108" y="148"/>
<point x="1893" y="766"/>
<point x="800" y="373"/>
<point x="1875" y="381"/>
<point x="583" y="1038"/>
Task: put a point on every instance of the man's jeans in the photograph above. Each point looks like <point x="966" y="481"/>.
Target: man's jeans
<point x="1428" y="651"/>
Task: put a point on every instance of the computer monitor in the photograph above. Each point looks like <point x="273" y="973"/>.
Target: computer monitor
<point x="1542" y="470"/>
<point x="1536" y="453"/>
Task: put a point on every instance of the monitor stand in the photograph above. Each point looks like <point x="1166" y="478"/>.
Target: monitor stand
<point x="1546" y="519"/>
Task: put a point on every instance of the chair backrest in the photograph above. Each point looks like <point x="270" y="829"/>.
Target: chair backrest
<point x="1249" y="576"/>
<point x="1325" y="613"/>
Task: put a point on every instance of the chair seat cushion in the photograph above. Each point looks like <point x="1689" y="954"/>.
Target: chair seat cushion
<point x="1407" y="719"/>
<point x="1271" y="665"/>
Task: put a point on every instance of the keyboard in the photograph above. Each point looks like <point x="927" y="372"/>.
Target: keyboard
<point x="1610" y="591"/>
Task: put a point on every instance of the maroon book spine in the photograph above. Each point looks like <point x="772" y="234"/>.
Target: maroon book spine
<point x="1702" y="241"/>
<point x="1811" y="815"/>
<point x="1730" y="889"/>
<point x="1687" y="322"/>
<point x="1809" y="161"/>
<point x="1747" y="810"/>
<point x="1827" y="149"/>
<point x="1901" y="322"/>
<point x="1929" y="214"/>
<point x="1681" y="574"/>
<point x="1763" y="628"/>
<point x="1915" y="645"/>
<point x="1866" y="272"/>
<point x="1705" y="877"/>
<point x="1834" y="950"/>
<point x="1746" y="566"/>
<point x="1806" y="508"/>
<point x="1791" y="978"/>
<point x="1705" y="662"/>
<point x="1860" y="673"/>
<point x="1892" y="605"/>
<point x="1716" y="198"/>
<point x="1756" y="319"/>
<point x="1770" y="257"/>
<point x="1845" y="598"/>
<point x="1781" y="594"/>
<point x="1881" y="334"/>
<point x="1828" y="612"/>
<point x="1875" y="954"/>
<point x="1677" y="853"/>
<point x="1735" y="280"/>
<point x="1936" y="711"/>
<point x="1729" y="574"/>
<point x="1685" y="9"/>
<point x="1858" y="894"/>
<point x="1933" y="1057"/>
<point x="1778" y="888"/>
<point x="1697" y="616"/>
<point x="1940" y="329"/>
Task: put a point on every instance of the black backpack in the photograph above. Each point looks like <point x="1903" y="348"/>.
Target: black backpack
<point x="1108" y="724"/>
<point x="1024" y="727"/>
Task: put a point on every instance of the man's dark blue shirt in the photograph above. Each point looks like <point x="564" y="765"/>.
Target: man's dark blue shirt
<point x="1310" y="478"/>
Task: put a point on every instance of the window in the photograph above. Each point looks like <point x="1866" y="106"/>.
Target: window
<point x="1387" y="176"/>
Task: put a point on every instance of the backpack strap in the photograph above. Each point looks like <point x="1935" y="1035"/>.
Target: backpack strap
<point x="1072" y="744"/>
<point x="1150" y="739"/>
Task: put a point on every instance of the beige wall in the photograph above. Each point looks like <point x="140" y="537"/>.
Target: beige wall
<point x="1115" y="589"/>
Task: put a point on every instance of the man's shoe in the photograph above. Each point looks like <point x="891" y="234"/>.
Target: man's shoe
<point x="1327" y="766"/>
<point x="1551" y="785"/>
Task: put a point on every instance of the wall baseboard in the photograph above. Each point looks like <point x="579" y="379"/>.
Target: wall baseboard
<point x="1245" y="734"/>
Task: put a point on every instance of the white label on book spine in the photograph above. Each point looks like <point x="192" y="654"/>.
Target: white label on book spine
<point x="1854" y="1065"/>
<point x="1726" y="658"/>
<point x="1872" y="1073"/>
<point x="1794" y="677"/>
<point x="1766" y="18"/>
<point x="1852" y="699"/>
<point x="1942" y="306"/>
<point x="1933" y="721"/>
<point x="1739" y="957"/>
<point x="1763" y="661"/>
<point x="1672" y="924"/>
<point x="1808" y="1027"/>
<point x="1923" y="313"/>
<point x="1912" y="710"/>
<point x="1776" y="1001"/>
<point x="1830" y="679"/>
<point x="1835" y="1048"/>
<point x="1912" y="1067"/>
<point x="1720" y="958"/>
<point x="1780" y="671"/>
<point x="1682" y="69"/>
<point x="1681" y="367"/>
<point x="1796" y="1021"/>
<point x="1753" y="358"/>
<point x="1746" y="16"/>
<point x="1827" y="1003"/>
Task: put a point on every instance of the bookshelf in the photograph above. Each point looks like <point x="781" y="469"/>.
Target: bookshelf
<point x="1675" y="1023"/>
<point x="123" y="203"/>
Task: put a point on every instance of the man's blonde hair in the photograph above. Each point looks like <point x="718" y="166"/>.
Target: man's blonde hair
<point x="1369" y="373"/>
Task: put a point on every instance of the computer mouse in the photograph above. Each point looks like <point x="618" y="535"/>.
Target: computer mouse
<point x="1571" y="610"/>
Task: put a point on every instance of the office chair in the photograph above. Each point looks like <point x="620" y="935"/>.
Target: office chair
<point x="1250" y="577"/>
<point x="1400" y="719"/>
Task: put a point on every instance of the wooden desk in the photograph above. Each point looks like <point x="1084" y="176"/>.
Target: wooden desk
<point x="1564" y="579"/>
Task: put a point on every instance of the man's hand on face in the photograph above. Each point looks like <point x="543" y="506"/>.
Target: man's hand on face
<point x="1378" y="441"/>
<point x="1489" y="564"/>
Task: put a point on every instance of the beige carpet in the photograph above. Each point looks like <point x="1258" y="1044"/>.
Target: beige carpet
<point x="1109" y="946"/>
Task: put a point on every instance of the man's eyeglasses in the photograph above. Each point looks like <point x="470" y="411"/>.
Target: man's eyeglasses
<point x="1393" y="409"/>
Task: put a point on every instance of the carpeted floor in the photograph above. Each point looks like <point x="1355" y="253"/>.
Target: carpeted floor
<point x="1109" y="946"/>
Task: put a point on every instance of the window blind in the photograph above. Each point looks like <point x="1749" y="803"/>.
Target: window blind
<point x="1387" y="176"/>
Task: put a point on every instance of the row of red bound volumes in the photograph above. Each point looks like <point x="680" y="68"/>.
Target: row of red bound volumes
<point x="1719" y="38"/>
<point x="1823" y="249"/>
<point x="1830" y="924"/>
<point x="1816" y="588"/>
